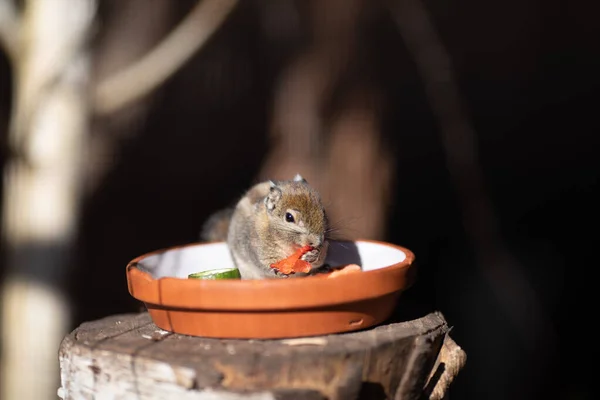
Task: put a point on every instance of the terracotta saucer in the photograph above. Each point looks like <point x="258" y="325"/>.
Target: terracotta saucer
<point x="273" y="308"/>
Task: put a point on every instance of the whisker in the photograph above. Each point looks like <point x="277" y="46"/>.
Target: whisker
<point x="344" y="246"/>
<point x="336" y="236"/>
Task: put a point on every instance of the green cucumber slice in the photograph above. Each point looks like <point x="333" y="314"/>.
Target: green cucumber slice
<point x="213" y="274"/>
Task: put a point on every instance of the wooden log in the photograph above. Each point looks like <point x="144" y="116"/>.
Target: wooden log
<point x="127" y="356"/>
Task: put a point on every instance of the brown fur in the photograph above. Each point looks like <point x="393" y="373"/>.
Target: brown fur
<point x="259" y="236"/>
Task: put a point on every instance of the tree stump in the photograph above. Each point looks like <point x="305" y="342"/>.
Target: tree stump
<point x="128" y="357"/>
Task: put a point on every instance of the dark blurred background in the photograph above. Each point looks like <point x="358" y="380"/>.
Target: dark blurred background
<point x="527" y="72"/>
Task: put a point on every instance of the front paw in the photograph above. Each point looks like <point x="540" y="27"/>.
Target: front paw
<point x="311" y="256"/>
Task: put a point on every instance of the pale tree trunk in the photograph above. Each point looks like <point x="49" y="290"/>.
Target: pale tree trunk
<point x="49" y="56"/>
<point x="48" y="46"/>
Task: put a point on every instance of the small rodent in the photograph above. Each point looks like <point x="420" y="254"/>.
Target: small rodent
<point x="271" y="221"/>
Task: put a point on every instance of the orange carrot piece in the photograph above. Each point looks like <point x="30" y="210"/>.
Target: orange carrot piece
<point x="348" y="269"/>
<point x="293" y="263"/>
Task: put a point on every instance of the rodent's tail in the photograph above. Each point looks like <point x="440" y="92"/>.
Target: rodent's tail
<point x="216" y="226"/>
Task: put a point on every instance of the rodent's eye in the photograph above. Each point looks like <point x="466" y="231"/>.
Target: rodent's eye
<point x="289" y="217"/>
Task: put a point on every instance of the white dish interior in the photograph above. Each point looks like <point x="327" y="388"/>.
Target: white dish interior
<point x="183" y="261"/>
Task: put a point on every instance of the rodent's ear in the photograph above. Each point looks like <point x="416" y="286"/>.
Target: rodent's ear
<point x="299" y="178"/>
<point x="273" y="197"/>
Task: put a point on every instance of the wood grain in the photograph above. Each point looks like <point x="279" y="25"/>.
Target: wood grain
<point x="127" y="356"/>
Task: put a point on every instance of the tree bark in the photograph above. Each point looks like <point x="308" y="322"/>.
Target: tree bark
<point x="127" y="356"/>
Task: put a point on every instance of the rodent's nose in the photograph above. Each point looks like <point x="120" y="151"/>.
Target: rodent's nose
<point x="316" y="241"/>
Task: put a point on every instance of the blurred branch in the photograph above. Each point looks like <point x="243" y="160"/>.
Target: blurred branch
<point x="9" y="27"/>
<point x="140" y="78"/>
<point x="314" y="132"/>
<point x="129" y="30"/>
